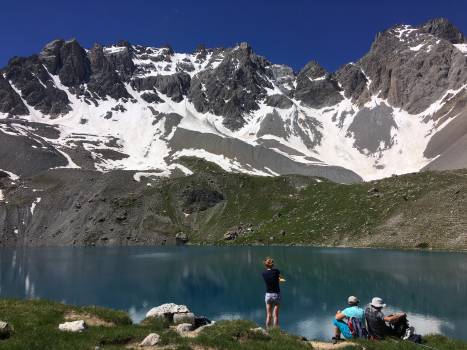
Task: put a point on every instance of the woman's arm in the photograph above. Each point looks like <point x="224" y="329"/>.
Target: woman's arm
<point x="340" y="316"/>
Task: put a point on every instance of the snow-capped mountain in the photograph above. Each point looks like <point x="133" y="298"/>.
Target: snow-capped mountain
<point x="400" y="108"/>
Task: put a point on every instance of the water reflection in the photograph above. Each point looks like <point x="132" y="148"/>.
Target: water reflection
<point x="225" y="282"/>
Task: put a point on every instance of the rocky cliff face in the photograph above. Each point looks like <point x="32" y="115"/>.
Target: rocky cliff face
<point x="399" y="109"/>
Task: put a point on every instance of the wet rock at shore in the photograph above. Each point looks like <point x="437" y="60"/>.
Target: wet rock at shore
<point x="181" y="238"/>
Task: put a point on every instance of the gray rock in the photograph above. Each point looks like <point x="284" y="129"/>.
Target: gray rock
<point x="442" y="28"/>
<point x="316" y="88"/>
<point x="68" y="60"/>
<point x="354" y="82"/>
<point x="184" y="328"/>
<point x="5" y="330"/>
<point x="37" y="88"/>
<point x="73" y="326"/>
<point x="104" y="80"/>
<point x="272" y="124"/>
<point x="188" y="317"/>
<point x="279" y="101"/>
<point x="181" y="238"/>
<point x="10" y="101"/>
<point x="371" y="128"/>
<point x="233" y="88"/>
<point x="151" y="339"/>
<point x="167" y="309"/>
<point x="409" y="79"/>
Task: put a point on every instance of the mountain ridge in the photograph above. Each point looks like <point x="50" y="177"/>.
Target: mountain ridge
<point x="400" y="108"/>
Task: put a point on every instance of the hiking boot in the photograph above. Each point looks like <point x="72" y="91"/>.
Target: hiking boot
<point x="336" y="340"/>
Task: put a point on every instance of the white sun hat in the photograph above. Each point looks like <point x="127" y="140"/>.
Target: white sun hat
<point x="377" y="302"/>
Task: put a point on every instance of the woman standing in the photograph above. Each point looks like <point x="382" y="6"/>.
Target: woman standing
<point x="272" y="278"/>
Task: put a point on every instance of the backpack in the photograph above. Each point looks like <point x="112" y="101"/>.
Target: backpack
<point x="400" y="327"/>
<point x="356" y="328"/>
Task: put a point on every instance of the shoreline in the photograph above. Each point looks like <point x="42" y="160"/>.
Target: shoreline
<point x="38" y="324"/>
<point x="227" y="245"/>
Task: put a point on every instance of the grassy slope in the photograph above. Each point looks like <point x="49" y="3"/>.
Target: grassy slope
<point x="35" y="327"/>
<point x="421" y="210"/>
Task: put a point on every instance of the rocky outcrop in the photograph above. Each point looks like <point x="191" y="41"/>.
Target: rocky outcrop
<point x="444" y="29"/>
<point x="413" y="69"/>
<point x="167" y="311"/>
<point x="233" y="88"/>
<point x="104" y="80"/>
<point x="316" y="88"/>
<point x="10" y="101"/>
<point x="68" y="60"/>
<point x="354" y="83"/>
<point x="29" y="76"/>
<point x="279" y="101"/>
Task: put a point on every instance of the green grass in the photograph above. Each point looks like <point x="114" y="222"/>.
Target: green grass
<point x="36" y="322"/>
<point x="432" y="341"/>
<point x="422" y="210"/>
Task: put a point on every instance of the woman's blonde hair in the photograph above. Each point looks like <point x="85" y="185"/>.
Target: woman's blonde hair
<point x="268" y="262"/>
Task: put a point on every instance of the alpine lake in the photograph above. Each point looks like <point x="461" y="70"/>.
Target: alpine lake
<point x="226" y="282"/>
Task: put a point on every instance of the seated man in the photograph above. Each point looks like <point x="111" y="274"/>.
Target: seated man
<point x="376" y="321"/>
<point x="342" y="318"/>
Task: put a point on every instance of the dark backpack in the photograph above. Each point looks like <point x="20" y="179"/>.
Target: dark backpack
<point x="400" y="327"/>
<point x="356" y="328"/>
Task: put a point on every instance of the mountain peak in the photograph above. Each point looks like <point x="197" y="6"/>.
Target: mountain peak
<point x="444" y="29"/>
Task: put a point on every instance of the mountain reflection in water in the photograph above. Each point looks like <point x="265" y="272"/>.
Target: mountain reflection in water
<point x="225" y="282"/>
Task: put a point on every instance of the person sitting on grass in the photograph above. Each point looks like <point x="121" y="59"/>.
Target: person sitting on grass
<point x="354" y="315"/>
<point x="376" y="321"/>
<point x="272" y="277"/>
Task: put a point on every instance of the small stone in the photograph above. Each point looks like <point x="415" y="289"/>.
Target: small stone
<point x="151" y="340"/>
<point x="259" y="330"/>
<point x="181" y="237"/>
<point x="74" y="326"/>
<point x="188" y="317"/>
<point x="5" y="330"/>
<point x="183" y="328"/>
<point x="229" y="236"/>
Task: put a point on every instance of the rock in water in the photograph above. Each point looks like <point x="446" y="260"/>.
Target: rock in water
<point x="151" y="340"/>
<point x="5" y="330"/>
<point x="181" y="238"/>
<point x="188" y="317"/>
<point x="75" y="326"/>
<point x="168" y="309"/>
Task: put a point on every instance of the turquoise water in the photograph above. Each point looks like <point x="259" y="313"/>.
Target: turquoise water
<point x="225" y="282"/>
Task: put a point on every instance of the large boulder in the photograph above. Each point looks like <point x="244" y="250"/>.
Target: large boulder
<point x="74" y="326"/>
<point x="167" y="311"/>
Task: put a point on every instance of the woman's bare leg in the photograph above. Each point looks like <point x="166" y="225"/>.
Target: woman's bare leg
<point x="337" y="332"/>
<point x="268" y="315"/>
<point x="276" y="316"/>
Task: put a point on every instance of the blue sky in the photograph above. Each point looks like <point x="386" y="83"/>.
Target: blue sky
<point x="292" y="32"/>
